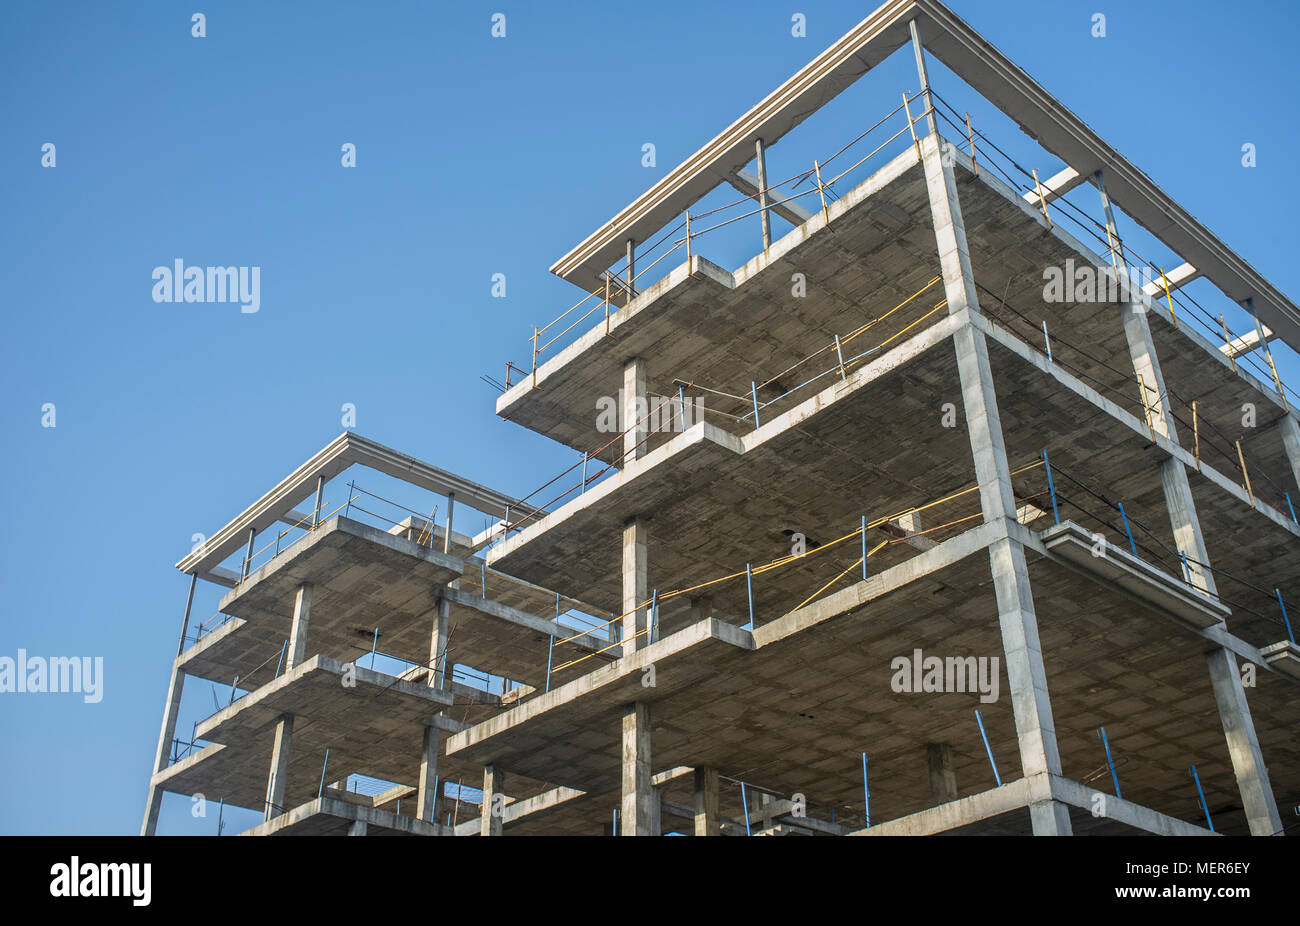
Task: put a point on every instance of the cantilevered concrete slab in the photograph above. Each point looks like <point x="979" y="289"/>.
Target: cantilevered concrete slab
<point x="326" y="817"/>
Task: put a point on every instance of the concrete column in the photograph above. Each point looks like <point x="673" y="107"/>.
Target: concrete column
<point x="631" y="270"/>
<point x="943" y="780"/>
<point x="446" y="535"/>
<point x="636" y="816"/>
<point x="760" y="154"/>
<point x="1026" y="676"/>
<point x="1019" y="624"/>
<point x="1291" y="441"/>
<point x="636" y="409"/>
<point x="357" y="828"/>
<point x="298" y="630"/>
<point x="426" y="793"/>
<point x="949" y="229"/>
<point x="1137" y="331"/>
<point x="636" y="587"/>
<point x="1185" y="524"/>
<point x="439" y="659"/>
<point x="984" y="425"/>
<point x="707" y="820"/>
<point x="1050" y="818"/>
<point x="930" y="120"/>
<point x="1243" y="745"/>
<point x="171" y="708"/>
<point x="494" y="784"/>
<point x="656" y="812"/>
<point x="279" y="776"/>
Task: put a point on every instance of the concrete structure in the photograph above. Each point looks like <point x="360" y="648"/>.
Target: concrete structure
<point x="887" y="536"/>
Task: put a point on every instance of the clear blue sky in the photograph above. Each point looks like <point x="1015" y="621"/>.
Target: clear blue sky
<point x="475" y="156"/>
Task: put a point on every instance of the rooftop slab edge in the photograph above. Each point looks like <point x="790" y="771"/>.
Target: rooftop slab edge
<point x="345" y="450"/>
<point x="700" y="270"/>
<point x="991" y="74"/>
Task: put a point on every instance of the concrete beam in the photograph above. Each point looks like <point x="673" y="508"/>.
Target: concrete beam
<point x="1056" y="186"/>
<point x="784" y="206"/>
<point x="1177" y="278"/>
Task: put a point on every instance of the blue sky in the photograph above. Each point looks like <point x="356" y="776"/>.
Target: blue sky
<point x="475" y="156"/>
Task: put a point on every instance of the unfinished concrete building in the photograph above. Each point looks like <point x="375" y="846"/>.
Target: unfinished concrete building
<point x="877" y="533"/>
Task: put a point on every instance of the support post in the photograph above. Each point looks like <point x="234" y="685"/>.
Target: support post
<point x="320" y="491"/>
<point x="171" y="708"/>
<point x="298" y="630"/>
<point x="1026" y="674"/>
<point x="761" y="156"/>
<point x="635" y="585"/>
<point x="446" y="536"/>
<point x="1243" y="745"/>
<point x="1186" y="525"/>
<point x="707" y="821"/>
<point x="637" y="812"/>
<point x="631" y="270"/>
<point x="924" y="77"/>
<point x="426" y="799"/>
<point x="492" y="809"/>
<point x="635" y="411"/>
<point x="943" y="779"/>
<point x="248" y="553"/>
<point x="278" y="778"/>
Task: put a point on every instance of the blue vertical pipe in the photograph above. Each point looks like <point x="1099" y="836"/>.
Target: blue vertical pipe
<point x="744" y="803"/>
<point x="1131" y="545"/>
<point x="1291" y="507"/>
<point x="1286" y="620"/>
<point x="866" y="792"/>
<point x="988" y="749"/>
<point x="1114" y="776"/>
<point x="550" y="649"/>
<point x="1201" y="794"/>
<point x="864" y="548"/>
<point x="753" y="392"/>
<point x="321" y="790"/>
<point x="1051" y="488"/>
